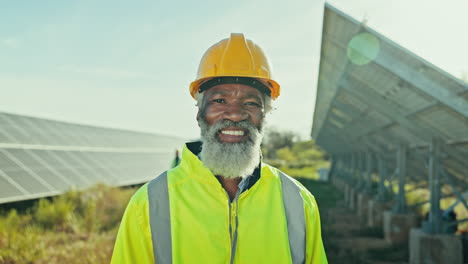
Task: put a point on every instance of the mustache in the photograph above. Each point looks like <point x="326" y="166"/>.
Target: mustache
<point x="244" y="124"/>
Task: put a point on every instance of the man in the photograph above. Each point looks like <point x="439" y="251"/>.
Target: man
<point x="176" y="159"/>
<point x="222" y="204"/>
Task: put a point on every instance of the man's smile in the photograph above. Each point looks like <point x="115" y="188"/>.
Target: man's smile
<point x="232" y="135"/>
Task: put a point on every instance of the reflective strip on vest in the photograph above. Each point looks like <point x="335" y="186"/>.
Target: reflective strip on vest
<point x="160" y="221"/>
<point x="294" y="209"/>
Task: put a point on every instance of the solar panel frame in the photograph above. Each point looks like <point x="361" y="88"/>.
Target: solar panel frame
<point x="397" y="97"/>
<point x="40" y="157"/>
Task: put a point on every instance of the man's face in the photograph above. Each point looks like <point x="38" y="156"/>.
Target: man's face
<point x="236" y="103"/>
<point x="231" y="119"/>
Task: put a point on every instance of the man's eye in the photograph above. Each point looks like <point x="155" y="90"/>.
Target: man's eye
<point x="253" y="104"/>
<point x="219" y="101"/>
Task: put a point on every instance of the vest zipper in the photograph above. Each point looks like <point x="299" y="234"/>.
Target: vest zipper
<point x="233" y="220"/>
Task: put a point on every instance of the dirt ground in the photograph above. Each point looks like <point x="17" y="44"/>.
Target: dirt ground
<point x="346" y="241"/>
<point x="349" y="242"/>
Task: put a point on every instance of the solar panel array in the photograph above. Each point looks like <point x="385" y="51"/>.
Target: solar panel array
<point x="40" y="157"/>
<point x="373" y="95"/>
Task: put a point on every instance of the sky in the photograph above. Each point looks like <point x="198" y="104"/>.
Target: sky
<point x="128" y="64"/>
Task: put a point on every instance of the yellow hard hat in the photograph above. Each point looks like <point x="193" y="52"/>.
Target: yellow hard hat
<point x="235" y="57"/>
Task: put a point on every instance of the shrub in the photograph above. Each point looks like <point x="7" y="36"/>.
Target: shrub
<point x="76" y="227"/>
<point x="110" y="204"/>
<point x="57" y="214"/>
<point x="19" y="244"/>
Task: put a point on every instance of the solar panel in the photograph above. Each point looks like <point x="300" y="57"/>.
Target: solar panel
<point x="373" y="95"/>
<point x="40" y="157"/>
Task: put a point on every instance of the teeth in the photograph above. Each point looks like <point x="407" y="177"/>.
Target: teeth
<point x="233" y="132"/>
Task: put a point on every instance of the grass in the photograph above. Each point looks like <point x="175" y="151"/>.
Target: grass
<point x="327" y="197"/>
<point x="326" y="194"/>
<point x="76" y="227"/>
<point x="80" y="227"/>
<point x="301" y="170"/>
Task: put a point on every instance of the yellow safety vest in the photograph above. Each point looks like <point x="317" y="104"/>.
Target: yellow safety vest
<point x="185" y="216"/>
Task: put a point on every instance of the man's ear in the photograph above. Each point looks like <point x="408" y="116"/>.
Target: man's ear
<point x="199" y="116"/>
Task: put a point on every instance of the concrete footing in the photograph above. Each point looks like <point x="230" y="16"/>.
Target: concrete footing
<point x="363" y="207"/>
<point x="334" y="180"/>
<point x="375" y="213"/>
<point x="435" y="249"/>
<point x="339" y="183"/>
<point x="346" y="194"/>
<point x="352" y="198"/>
<point x="397" y="226"/>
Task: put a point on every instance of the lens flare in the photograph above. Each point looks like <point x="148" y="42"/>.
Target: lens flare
<point x="363" y="48"/>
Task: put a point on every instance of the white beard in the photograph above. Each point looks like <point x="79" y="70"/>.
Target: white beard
<point x="230" y="160"/>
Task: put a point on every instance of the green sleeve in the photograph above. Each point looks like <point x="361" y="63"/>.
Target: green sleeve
<point x="315" y="252"/>
<point x="133" y="243"/>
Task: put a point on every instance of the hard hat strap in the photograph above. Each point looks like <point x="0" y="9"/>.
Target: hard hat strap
<point x="235" y="80"/>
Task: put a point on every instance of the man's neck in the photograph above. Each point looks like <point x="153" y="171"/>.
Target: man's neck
<point x="230" y="185"/>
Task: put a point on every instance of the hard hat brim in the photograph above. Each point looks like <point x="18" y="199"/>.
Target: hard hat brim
<point x="271" y="84"/>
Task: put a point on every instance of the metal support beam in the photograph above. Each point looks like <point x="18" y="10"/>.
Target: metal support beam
<point x="355" y="170"/>
<point x="383" y="106"/>
<point x="390" y="182"/>
<point x="345" y="166"/>
<point x="401" y="164"/>
<point x="350" y="175"/>
<point x="360" y="170"/>
<point x="417" y="79"/>
<point x="349" y="110"/>
<point x="448" y="178"/>
<point x="424" y="84"/>
<point x="343" y="121"/>
<point x="368" y="186"/>
<point x="381" y="128"/>
<point x="337" y="169"/>
<point x="332" y="174"/>
<point x="342" y="166"/>
<point x="419" y="130"/>
<point x="382" y="176"/>
<point x="435" y="222"/>
<point x="330" y="139"/>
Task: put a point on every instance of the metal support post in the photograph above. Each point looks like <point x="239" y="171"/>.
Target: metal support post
<point x="337" y="168"/>
<point x="353" y="168"/>
<point x="368" y="186"/>
<point x="360" y="170"/>
<point x="348" y="165"/>
<point x="448" y="176"/>
<point x="332" y="172"/>
<point x="382" y="176"/>
<point x="342" y="167"/>
<point x="401" y="164"/>
<point x="364" y="170"/>
<point x="356" y="178"/>
<point x="390" y="181"/>
<point x="435" y="221"/>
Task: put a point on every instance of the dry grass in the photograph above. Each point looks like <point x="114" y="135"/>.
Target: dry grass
<point x="77" y="227"/>
<point x="80" y="227"/>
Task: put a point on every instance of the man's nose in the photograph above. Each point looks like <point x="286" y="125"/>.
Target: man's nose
<point x="235" y="112"/>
